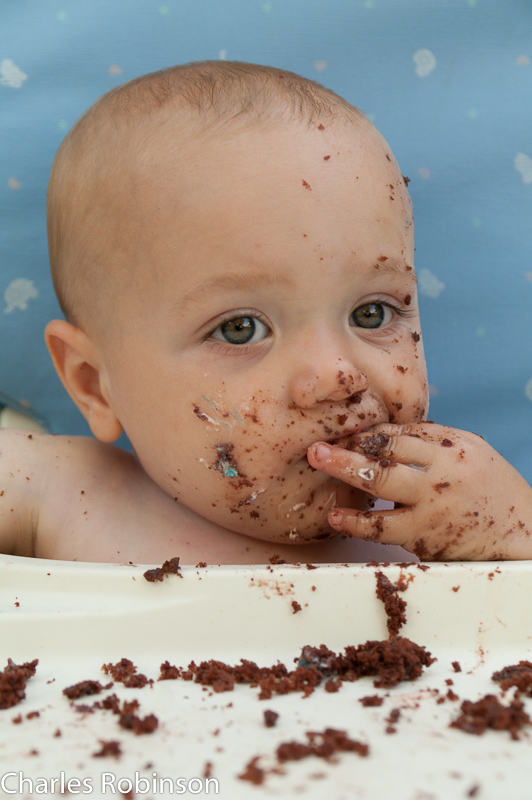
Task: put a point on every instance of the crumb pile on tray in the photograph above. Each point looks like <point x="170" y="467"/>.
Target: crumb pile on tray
<point x="13" y="682"/>
<point x="489" y="712"/>
<point x="124" y="671"/>
<point x="388" y="662"/>
<point x="322" y="744"/>
<point x="518" y="675"/>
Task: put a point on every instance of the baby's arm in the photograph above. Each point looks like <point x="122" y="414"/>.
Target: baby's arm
<point x="455" y="496"/>
<point x="20" y="485"/>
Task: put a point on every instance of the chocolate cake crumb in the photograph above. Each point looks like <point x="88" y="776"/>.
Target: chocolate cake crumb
<point x="489" y="712"/>
<point x="456" y="666"/>
<point x="170" y="567"/>
<point x="253" y="773"/>
<point x="200" y="413"/>
<point x="519" y="675"/>
<point x="394" y="606"/>
<point x="446" y="443"/>
<point x="321" y="658"/>
<point x="332" y="685"/>
<point x="296" y="606"/>
<point x="13" y="682"/>
<point x="372" y="446"/>
<point x="124" y="671"/>
<point x="270" y="718"/>
<point x="128" y="718"/>
<point x="392" y="661"/>
<point x="201" y="565"/>
<point x="276" y="559"/>
<point x="371" y="700"/>
<point x="168" y="672"/>
<point x="138" y="725"/>
<point x="391" y="719"/>
<point x="84" y="688"/>
<point x="110" y="748"/>
<point x="322" y="745"/>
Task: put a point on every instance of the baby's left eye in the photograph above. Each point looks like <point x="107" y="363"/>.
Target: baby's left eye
<point x="371" y="315"/>
<point x="244" y="329"/>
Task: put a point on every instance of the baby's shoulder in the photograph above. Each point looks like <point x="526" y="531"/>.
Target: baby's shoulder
<point x="41" y="474"/>
<point x="24" y="453"/>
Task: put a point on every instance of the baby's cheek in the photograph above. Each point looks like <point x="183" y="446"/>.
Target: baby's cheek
<point x="409" y="401"/>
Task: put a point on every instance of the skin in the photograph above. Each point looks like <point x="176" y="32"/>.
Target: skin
<point x="231" y="424"/>
<point x="301" y="237"/>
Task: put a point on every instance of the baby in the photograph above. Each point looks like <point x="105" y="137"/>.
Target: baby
<point x="232" y="246"/>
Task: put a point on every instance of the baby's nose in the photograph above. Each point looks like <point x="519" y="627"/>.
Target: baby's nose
<point x="334" y="382"/>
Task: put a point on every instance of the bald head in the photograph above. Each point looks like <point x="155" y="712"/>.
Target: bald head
<point x="103" y="169"/>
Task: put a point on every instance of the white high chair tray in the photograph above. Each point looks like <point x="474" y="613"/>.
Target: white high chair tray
<point x="75" y="617"/>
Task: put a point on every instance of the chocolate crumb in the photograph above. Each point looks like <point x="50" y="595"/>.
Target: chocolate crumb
<point x="168" y="672"/>
<point x="270" y="718"/>
<point x="170" y="567"/>
<point x="200" y="413"/>
<point x="394" y="605"/>
<point x="253" y="773"/>
<point x="84" y="688"/>
<point x="519" y="675"/>
<point x="124" y="671"/>
<point x="322" y="745"/>
<point x="110" y="748"/>
<point x="13" y="682"/>
<point x="489" y="712"/>
<point x="371" y="700"/>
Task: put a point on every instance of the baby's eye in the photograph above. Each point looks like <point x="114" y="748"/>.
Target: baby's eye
<point x="371" y="315"/>
<point x="241" y="330"/>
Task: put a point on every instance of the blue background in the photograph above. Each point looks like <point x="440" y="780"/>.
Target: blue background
<point x="448" y="83"/>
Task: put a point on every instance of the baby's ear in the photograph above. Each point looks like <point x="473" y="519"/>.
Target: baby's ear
<point x="78" y="365"/>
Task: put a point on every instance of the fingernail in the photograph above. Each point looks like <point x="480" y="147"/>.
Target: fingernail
<point x="336" y="518"/>
<point x="322" y="452"/>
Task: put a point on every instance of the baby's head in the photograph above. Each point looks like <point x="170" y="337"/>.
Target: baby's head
<point x="232" y="246"/>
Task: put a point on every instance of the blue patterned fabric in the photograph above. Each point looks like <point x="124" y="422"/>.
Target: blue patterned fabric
<point x="448" y="83"/>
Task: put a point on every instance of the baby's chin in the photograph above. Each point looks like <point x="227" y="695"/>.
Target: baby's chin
<point x="305" y="520"/>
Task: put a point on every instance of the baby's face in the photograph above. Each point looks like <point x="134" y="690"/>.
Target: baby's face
<point x="273" y="304"/>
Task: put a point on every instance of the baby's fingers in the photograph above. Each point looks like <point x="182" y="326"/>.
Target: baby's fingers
<point x="384" y="478"/>
<point x="388" y="527"/>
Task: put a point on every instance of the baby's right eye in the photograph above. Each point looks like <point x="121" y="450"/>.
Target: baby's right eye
<point x="244" y="329"/>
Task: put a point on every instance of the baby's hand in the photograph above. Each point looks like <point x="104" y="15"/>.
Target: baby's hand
<point x="455" y="496"/>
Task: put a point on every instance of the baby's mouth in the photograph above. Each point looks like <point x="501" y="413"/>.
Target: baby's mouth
<point x="345" y="440"/>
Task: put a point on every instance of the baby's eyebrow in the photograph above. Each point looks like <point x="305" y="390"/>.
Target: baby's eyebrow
<point x="397" y="266"/>
<point x="246" y="281"/>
